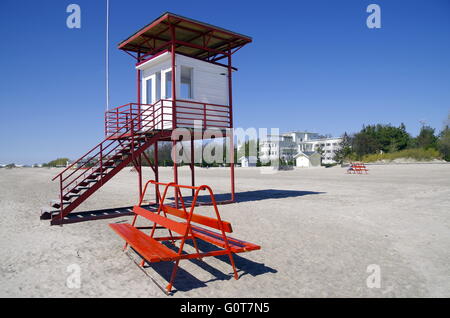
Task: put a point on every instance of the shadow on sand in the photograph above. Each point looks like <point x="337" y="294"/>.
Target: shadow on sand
<point x="185" y="281"/>
<point x="255" y="195"/>
<point x="247" y="196"/>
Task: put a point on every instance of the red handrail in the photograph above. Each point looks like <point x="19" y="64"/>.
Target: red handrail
<point x="126" y="120"/>
<point x="210" y="115"/>
<point x="88" y="173"/>
<point x="98" y="145"/>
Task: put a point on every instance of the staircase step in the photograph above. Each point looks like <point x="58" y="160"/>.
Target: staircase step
<point x="78" y="189"/>
<point x="47" y="213"/>
<point x="57" y="203"/>
<point x="87" y="182"/>
<point x="70" y="196"/>
<point x="95" y="175"/>
<point x="99" y="174"/>
<point x="97" y="171"/>
<point x="110" y="166"/>
<point x="126" y="149"/>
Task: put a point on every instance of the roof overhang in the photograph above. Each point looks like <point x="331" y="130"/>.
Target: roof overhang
<point x="192" y="38"/>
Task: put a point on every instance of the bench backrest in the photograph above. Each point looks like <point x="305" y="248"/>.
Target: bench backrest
<point x="181" y="227"/>
<point x="177" y="227"/>
<point x="200" y="219"/>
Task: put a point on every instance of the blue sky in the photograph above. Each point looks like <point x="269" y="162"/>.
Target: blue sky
<point x="314" y="65"/>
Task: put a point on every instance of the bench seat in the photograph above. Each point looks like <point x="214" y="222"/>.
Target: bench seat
<point x="150" y="249"/>
<point x="236" y="246"/>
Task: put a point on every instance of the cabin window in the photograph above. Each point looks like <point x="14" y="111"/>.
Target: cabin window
<point x="168" y="83"/>
<point x="186" y="82"/>
<point x="149" y="89"/>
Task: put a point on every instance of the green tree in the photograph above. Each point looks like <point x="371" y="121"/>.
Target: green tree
<point x="426" y="138"/>
<point x="364" y="143"/>
<point x="57" y="162"/>
<point x="380" y="138"/>
<point x="345" y="149"/>
<point x="320" y="151"/>
<point x="443" y="143"/>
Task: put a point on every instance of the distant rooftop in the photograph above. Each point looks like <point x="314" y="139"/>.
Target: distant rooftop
<point x="299" y="132"/>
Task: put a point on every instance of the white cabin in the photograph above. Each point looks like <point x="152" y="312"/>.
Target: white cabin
<point x="201" y="90"/>
<point x="248" y="161"/>
<point x="307" y="159"/>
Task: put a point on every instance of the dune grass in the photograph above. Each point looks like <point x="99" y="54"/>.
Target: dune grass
<point x="419" y="154"/>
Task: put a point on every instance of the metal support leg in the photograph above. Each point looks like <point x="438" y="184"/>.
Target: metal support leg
<point x="232" y="166"/>
<point x="156" y="163"/>
<point x="192" y="165"/>
<point x="139" y="165"/>
<point x="175" y="170"/>
<point x="172" y="277"/>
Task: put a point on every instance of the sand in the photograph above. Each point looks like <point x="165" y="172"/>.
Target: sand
<point x="319" y="230"/>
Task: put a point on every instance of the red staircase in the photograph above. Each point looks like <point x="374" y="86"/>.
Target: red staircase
<point x="130" y="130"/>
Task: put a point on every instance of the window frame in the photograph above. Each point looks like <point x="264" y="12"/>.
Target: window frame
<point x="191" y="78"/>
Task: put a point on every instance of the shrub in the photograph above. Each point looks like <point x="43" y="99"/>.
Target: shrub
<point x="57" y="162"/>
<point x="419" y="154"/>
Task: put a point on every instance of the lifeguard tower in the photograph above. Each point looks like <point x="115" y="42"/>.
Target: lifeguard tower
<point x="182" y="82"/>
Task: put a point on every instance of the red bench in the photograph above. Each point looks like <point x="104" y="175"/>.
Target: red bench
<point x="357" y="168"/>
<point x="181" y="229"/>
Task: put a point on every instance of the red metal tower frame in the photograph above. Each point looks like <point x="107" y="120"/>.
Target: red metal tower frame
<point x="180" y="35"/>
<point x="132" y="128"/>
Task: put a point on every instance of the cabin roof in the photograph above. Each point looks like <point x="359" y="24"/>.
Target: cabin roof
<point x="194" y="38"/>
<point x="307" y="154"/>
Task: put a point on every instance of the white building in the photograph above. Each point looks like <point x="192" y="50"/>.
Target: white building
<point x="267" y="148"/>
<point x="326" y="146"/>
<point x="307" y="159"/>
<point x="288" y="145"/>
<point x="300" y="136"/>
<point x="249" y="161"/>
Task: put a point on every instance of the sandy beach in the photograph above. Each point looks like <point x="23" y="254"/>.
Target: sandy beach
<point x="319" y="230"/>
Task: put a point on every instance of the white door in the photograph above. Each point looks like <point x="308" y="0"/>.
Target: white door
<point x="149" y="95"/>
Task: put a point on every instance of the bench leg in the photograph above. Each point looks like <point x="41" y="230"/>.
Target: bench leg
<point x="236" y="276"/>
<point x="195" y="244"/>
<point x="172" y="277"/>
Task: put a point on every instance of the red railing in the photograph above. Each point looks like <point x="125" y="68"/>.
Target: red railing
<point x="188" y="114"/>
<point x="123" y="135"/>
<point x="138" y="118"/>
<point x="125" y="123"/>
<point x="210" y="115"/>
